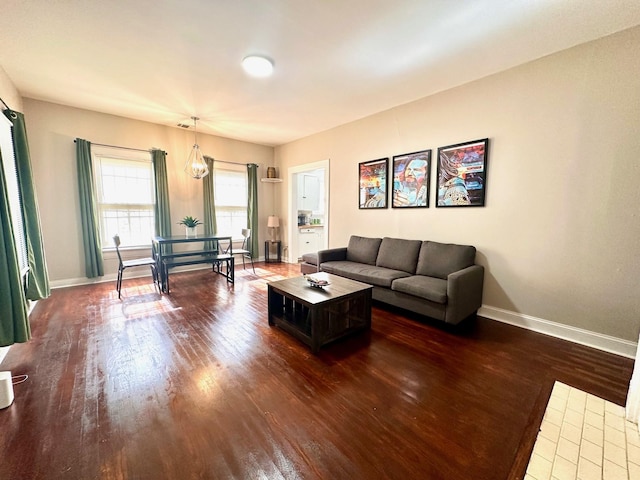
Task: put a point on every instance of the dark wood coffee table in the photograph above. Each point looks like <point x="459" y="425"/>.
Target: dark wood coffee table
<point x="317" y="316"/>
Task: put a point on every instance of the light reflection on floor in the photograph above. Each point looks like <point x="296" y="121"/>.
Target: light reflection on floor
<point x="137" y="361"/>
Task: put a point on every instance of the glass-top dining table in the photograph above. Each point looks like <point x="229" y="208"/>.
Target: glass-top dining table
<point x="214" y="251"/>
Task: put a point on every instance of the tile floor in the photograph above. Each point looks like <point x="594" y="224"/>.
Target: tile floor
<point x="584" y="437"/>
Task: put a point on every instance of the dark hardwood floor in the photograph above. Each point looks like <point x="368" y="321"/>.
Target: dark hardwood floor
<point x="196" y="385"/>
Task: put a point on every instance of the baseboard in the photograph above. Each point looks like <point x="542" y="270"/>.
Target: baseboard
<point x="600" y="341"/>
<point x="74" y="282"/>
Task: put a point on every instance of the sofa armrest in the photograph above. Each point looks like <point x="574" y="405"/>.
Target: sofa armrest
<point x="332" y="255"/>
<point x="464" y="293"/>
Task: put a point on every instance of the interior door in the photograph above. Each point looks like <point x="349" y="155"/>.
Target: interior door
<point x="319" y="170"/>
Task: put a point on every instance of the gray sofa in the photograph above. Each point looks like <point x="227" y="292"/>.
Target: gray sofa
<point x="434" y="279"/>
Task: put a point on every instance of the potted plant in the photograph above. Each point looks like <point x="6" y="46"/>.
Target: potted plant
<point x="190" y="223"/>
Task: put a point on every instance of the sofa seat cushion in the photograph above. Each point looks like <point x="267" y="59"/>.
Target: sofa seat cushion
<point x="363" y="249"/>
<point x="441" y="259"/>
<point x="429" y="288"/>
<point x="362" y="272"/>
<point x="399" y="254"/>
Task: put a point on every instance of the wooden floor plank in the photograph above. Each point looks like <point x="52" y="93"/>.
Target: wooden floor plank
<point x="196" y="385"/>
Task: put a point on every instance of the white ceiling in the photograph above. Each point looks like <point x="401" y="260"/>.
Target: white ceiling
<point x="335" y="60"/>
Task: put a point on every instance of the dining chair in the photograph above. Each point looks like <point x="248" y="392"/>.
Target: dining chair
<point x="246" y="234"/>
<point x="137" y="262"/>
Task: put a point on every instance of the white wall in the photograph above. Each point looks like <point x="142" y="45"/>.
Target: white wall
<point x="559" y="233"/>
<point x="9" y="93"/>
<point x="51" y="130"/>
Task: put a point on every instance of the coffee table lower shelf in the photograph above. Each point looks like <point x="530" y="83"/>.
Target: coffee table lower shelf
<point x="317" y="317"/>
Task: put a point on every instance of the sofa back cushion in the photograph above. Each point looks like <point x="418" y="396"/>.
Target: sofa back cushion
<point x="399" y="254"/>
<point x="363" y="249"/>
<point x="310" y="258"/>
<point x="440" y="259"/>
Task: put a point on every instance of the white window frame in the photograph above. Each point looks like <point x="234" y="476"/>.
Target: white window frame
<point x="101" y="155"/>
<point x="235" y="209"/>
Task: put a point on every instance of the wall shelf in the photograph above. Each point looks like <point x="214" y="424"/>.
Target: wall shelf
<point x="271" y="180"/>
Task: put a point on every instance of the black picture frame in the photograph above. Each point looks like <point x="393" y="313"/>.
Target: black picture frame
<point x="373" y="181"/>
<point x="411" y="180"/>
<point x="462" y="174"/>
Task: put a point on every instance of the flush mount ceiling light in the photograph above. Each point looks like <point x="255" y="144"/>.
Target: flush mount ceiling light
<point x="196" y="165"/>
<point x="257" y="66"/>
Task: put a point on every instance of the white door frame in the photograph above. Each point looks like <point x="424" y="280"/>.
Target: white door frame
<point x="292" y="251"/>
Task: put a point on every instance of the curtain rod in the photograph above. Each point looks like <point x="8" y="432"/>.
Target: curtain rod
<point x="141" y="150"/>
<point x="117" y="146"/>
<point x="225" y="161"/>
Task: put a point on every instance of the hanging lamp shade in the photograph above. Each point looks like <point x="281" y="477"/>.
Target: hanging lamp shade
<point x="196" y="166"/>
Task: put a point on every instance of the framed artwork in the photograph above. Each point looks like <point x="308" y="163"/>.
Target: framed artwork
<point x="411" y="178"/>
<point x="462" y="174"/>
<point x="373" y="183"/>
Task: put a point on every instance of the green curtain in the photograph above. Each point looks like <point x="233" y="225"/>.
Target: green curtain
<point x="162" y="212"/>
<point x="210" y="225"/>
<point x="162" y="208"/>
<point x="94" y="264"/>
<point x="14" y="320"/>
<point x="38" y="276"/>
<point x="252" y="208"/>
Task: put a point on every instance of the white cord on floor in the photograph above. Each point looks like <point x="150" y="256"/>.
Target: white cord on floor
<point x="23" y="378"/>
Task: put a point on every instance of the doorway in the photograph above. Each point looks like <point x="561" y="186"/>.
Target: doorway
<point x="308" y="209"/>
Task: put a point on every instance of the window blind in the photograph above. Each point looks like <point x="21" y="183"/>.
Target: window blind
<point x="15" y="202"/>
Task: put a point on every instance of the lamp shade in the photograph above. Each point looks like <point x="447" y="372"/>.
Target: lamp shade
<point x="273" y="222"/>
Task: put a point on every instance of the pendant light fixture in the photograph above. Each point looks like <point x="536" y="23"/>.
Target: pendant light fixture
<point x="196" y="165"/>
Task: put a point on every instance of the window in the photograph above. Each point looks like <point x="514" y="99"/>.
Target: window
<point x="125" y="194"/>
<point x="230" y="191"/>
<point x="13" y="191"/>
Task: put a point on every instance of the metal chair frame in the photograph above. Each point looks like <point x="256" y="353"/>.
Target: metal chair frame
<point x="137" y="262"/>
<point x="246" y="234"/>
